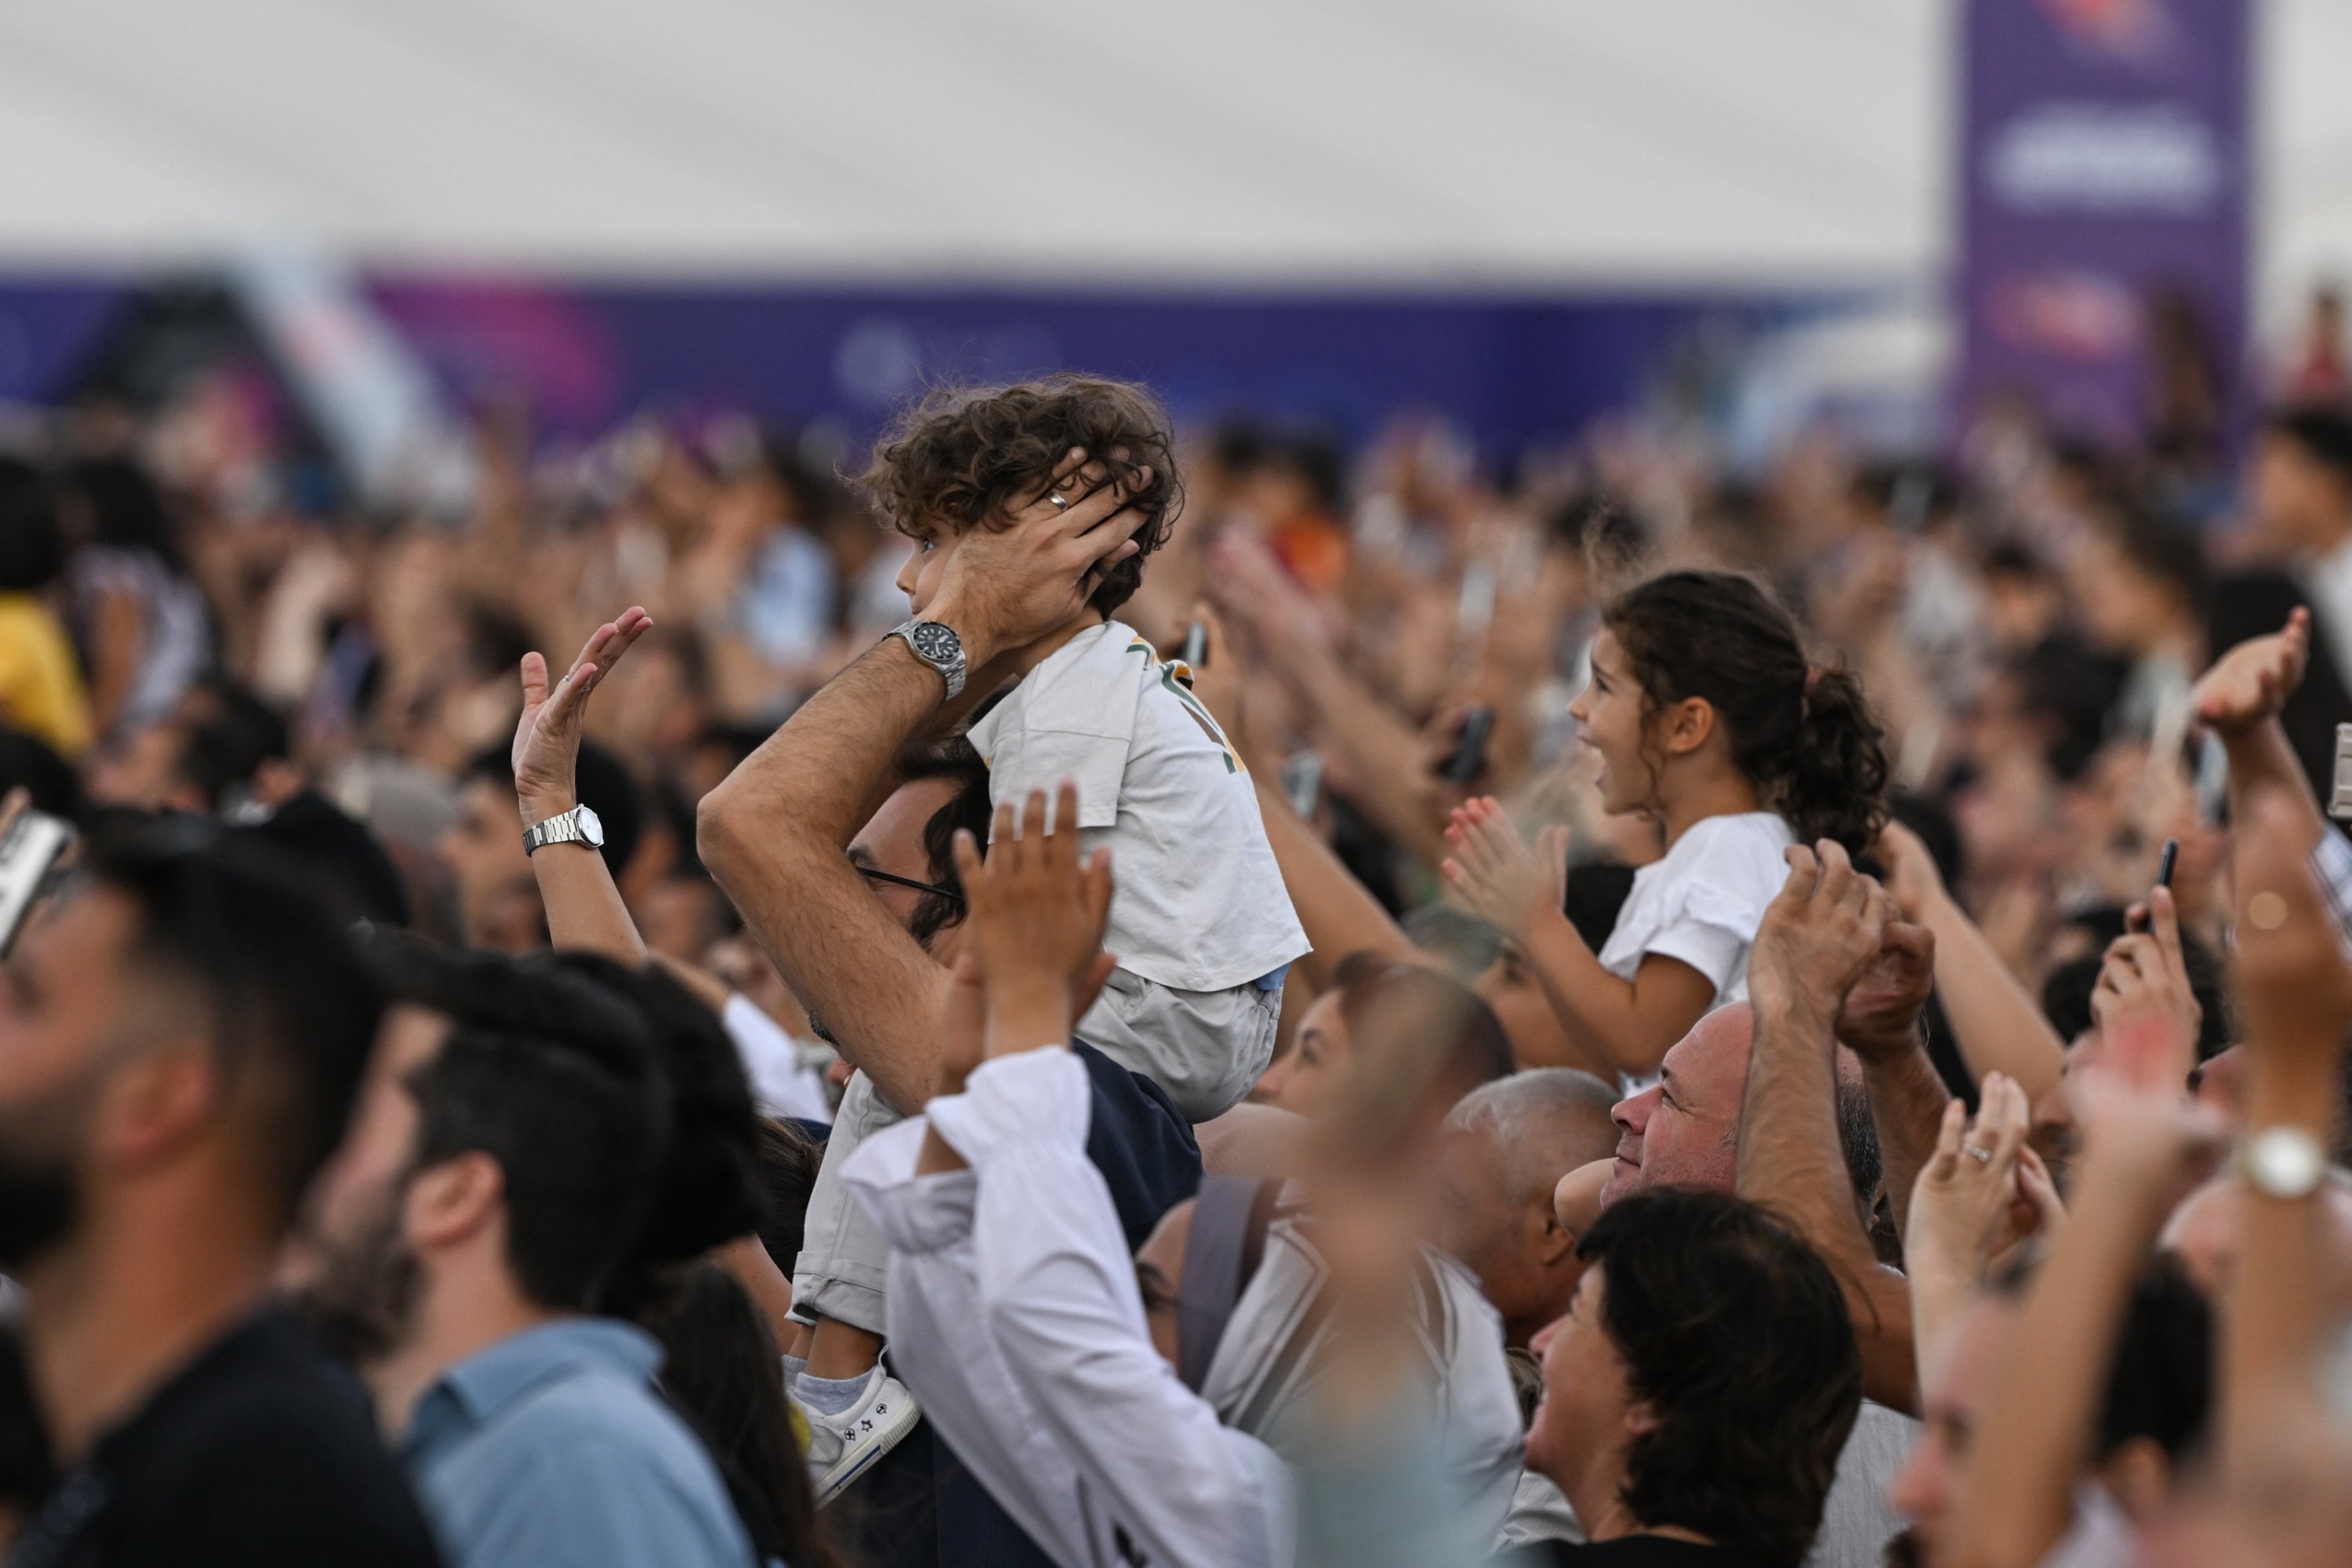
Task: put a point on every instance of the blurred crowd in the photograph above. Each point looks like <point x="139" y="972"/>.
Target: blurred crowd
<point x="1944" y="1124"/>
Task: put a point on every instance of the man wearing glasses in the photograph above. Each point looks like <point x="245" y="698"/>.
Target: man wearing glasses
<point x="834" y="840"/>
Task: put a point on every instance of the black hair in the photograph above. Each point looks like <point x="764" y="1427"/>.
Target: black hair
<point x="2324" y="435"/>
<point x="127" y="508"/>
<point x="604" y="786"/>
<point x="1937" y="829"/>
<point x="718" y="1366"/>
<point x="2160" y="1381"/>
<point x="1314" y="460"/>
<point x="787" y="1158"/>
<point x="956" y="761"/>
<point x="1595" y="896"/>
<point x="2069" y="688"/>
<point x="341" y="850"/>
<point x="32" y="762"/>
<point x="1735" y="1334"/>
<point x="289" y="1003"/>
<point x="237" y="733"/>
<point x="554" y="1077"/>
<point x="2066" y="996"/>
<point x="2162" y="548"/>
<point x="32" y="542"/>
<point x="2066" y="993"/>
<point x="1803" y="736"/>
<point x="705" y="1191"/>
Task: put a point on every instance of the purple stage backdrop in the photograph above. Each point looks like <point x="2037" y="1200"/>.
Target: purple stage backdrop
<point x="1506" y="370"/>
<point x="2103" y="217"/>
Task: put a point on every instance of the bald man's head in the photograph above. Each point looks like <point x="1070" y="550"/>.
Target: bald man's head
<point x="1506" y="1145"/>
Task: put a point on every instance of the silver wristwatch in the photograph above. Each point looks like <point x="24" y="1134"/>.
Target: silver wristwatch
<point x="936" y="644"/>
<point x="2284" y="1163"/>
<point x="578" y="826"/>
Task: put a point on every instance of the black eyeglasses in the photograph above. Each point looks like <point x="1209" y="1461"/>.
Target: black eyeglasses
<point x="872" y="875"/>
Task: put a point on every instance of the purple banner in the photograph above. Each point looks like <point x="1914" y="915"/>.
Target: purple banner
<point x="2104" y="214"/>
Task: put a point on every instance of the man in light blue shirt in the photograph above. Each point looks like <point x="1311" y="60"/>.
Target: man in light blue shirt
<point x="551" y="1447"/>
<point x="495" y="1176"/>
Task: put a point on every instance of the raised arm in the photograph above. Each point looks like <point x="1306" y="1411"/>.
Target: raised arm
<point x="775" y="831"/>
<point x="584" y="905"/>
<point x="1387" y="757"/>
<point x="2147" y="1144"/>
<point x="1817" y="940"/>
<point x="1998" y="1026"/>
<point x="1879" y="1023"/>
<point x="1339" y="914"/>
<point x="2295" y="1000"/>
<point x="2239" y="700"/>
<point x="1629" y="1025"/>
<point x="1053" y="1284"/>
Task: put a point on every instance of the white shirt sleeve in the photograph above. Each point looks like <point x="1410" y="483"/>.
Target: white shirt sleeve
<point x="2331" y="860"/>
<point x="942" y="1350"/>
<point x="772" y="1061"/>
<point x="1163" y="1480"/>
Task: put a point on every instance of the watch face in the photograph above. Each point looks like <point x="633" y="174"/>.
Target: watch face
<point x="936" y="642"/>
<point x="591" y="828"/>
<point x="2285" y="1162"/>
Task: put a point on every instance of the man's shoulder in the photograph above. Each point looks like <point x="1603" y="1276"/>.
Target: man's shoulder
<point x="594" y="1422"/>
<point x="1088" y="686"/>
<point x="595" y="1453"/>
<point x="269" y="1442"/>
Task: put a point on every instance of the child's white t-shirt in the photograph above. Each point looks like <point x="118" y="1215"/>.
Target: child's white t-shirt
<point x="1198" y="902"/>
<point x="1703" y="900"/>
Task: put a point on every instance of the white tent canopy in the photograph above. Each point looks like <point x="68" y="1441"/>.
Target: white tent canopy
<point x="1551" y="143"/>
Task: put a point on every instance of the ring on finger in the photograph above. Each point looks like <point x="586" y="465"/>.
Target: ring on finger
<point x="1982" y="1156"/>
<point x="1060" y="502"/>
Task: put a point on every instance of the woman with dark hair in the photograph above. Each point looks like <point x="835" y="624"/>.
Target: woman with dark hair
<point x="1711" y="723"/>
<point x="1699" y="1390"/>
<point x="719" y="1365"/>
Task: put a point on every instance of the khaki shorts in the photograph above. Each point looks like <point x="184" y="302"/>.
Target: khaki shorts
<point x="1206" y="1049"/>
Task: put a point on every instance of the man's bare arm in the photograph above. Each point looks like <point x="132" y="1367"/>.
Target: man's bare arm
<point x="1879" y="1021"/>
<point x="773" y="833"/>
<point x="1818" y="937"/>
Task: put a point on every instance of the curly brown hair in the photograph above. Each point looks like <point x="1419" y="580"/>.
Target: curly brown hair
<point x="963" y="458"/>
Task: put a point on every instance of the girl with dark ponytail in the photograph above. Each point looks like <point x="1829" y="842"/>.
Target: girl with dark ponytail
<point x="1709" y="722"/>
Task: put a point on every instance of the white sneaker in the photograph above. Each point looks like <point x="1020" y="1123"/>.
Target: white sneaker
<point x="843" y="1448"/>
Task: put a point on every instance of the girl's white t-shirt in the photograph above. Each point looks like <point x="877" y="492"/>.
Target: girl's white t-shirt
<point x="1703" y="900"/>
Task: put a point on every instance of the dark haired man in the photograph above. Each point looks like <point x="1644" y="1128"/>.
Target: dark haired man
<point x="181" y="1033"/>
<point x="489" y="871"/>
<point x="832" y="851"/>
<point x="511" y="1132"/>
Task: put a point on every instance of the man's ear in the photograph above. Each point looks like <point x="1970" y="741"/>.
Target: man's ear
<point x="1554" y="1241"/>
<point x="151" y="1107"/>
<point x="2138" y="1475"/>
<point x="451" y="1202"/>
<point x="1684" y="726"/>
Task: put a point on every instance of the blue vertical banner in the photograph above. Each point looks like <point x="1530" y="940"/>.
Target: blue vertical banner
<point x="2105" y="193"/>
